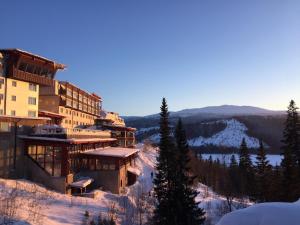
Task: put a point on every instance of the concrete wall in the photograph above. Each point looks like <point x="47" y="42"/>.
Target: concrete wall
<point x="38" y="175"/>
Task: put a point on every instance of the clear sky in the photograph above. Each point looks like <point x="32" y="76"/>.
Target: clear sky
<point x="195" y="53"/>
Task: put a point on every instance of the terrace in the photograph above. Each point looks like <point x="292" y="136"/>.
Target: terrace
<point x="60" y="132"/>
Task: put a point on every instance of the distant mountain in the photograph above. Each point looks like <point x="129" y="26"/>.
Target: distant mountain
<point x="227" y="110"/>
<point x="223" y="110"/>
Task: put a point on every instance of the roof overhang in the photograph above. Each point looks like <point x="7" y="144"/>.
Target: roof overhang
<point x="67" y="141"/>
<point x="29" y="121"/>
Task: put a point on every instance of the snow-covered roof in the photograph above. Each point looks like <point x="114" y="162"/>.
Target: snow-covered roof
<point x="82" y="183"/>
<point x="133" y="170"/>
<point x="112" y="152"/>
<point x="70" y="140"/>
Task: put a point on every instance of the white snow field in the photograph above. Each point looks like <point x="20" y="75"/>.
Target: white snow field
<point x="231" y="136"/>
<point x="37" y="205"/>
<point x="265" y="214"/>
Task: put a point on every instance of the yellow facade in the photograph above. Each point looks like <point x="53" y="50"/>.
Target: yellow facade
<point x="19" y="98"/>
<point x="74" y="118"/>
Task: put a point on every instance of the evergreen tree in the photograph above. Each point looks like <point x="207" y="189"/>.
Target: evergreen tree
<point x="164" y="213"/>
<point x="246" y="170"/>
<point x="234" y="176"/>
<point x="262" y="175"/>
<point x="186" y="208"/>
<point x="275" y="185"/>
<point x="290" y="189"/>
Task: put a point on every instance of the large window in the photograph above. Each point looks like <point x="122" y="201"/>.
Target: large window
<point x="30" y="68"/>
<point x="47" y="157"/>
<point x="32" y="101"/>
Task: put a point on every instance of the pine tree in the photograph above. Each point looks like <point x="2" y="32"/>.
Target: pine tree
<point x="290" y="189"/>
<point x="275" y="185"/>
<point x="246" y="170"/>
<point x="164" y="213"/>
<point x="187" y="210"/>
<point x="234" y="176"/>
<point x="262" y="175"/>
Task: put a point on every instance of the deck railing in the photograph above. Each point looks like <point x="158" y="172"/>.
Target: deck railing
<point x="57" y="130"/>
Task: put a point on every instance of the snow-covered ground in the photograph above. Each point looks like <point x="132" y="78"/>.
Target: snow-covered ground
<point x="231" y="136"/>
<point x="273" y="159"/>
<point x="265" y="214"/>
<point x="52" y="208"/>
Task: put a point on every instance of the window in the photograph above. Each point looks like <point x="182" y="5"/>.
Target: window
<point x="44" y="72"/>
<point x="61" y="110"/>
<point x="112" y="166"/>
<point x="69" y="102"/>
<point x="4" y="127"/>
<point x="105" y="166"/>
<point x="32" y="101"/>
<point x="1" y="111"/>
<point x="69" y="92"/>
<point x="31" y="113"/>
<point x="32" y="87"/>
<point x="37" y="70"/>
<point x="22" y="66"/>
<point x="13" y="113"/>
<point x="29" y="68"/>
<point x="14" y="98"/>
<point x="1" y="83"/>
<point x="14" y="83"/>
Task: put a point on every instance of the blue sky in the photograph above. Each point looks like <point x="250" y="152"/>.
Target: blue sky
<point x="195" y="53"/>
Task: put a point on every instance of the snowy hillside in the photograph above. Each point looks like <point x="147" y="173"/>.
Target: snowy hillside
<point x="231" y="136"/>
<point x="42" y="206"/>
<point x="265" y="214"/>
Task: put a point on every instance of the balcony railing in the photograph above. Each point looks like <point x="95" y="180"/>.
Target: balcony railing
<point x="48" y="130"/>
<point x="33" y="78"/>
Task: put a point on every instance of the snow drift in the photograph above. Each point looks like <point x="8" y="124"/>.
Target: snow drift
<point x="265" y="214"/>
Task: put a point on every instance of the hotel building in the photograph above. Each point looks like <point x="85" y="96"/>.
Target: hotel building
<point x="48" y="132"/>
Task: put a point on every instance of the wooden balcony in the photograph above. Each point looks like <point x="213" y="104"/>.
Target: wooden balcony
<point x="32" y="78"/>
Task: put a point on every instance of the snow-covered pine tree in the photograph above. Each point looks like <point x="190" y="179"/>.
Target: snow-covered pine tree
<point x="187" y="210"/>
<point x="262" y="175"/>
<point x="164" y="213"/>
<point x="290" y="178"/>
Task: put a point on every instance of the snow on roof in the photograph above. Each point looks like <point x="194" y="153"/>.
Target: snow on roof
<point x="112" y="152"/>
<point x="276" y="213"/>
<point x="135" y="171"/>
<point x="70" y="140"/>
<point x="82" y="183"/>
